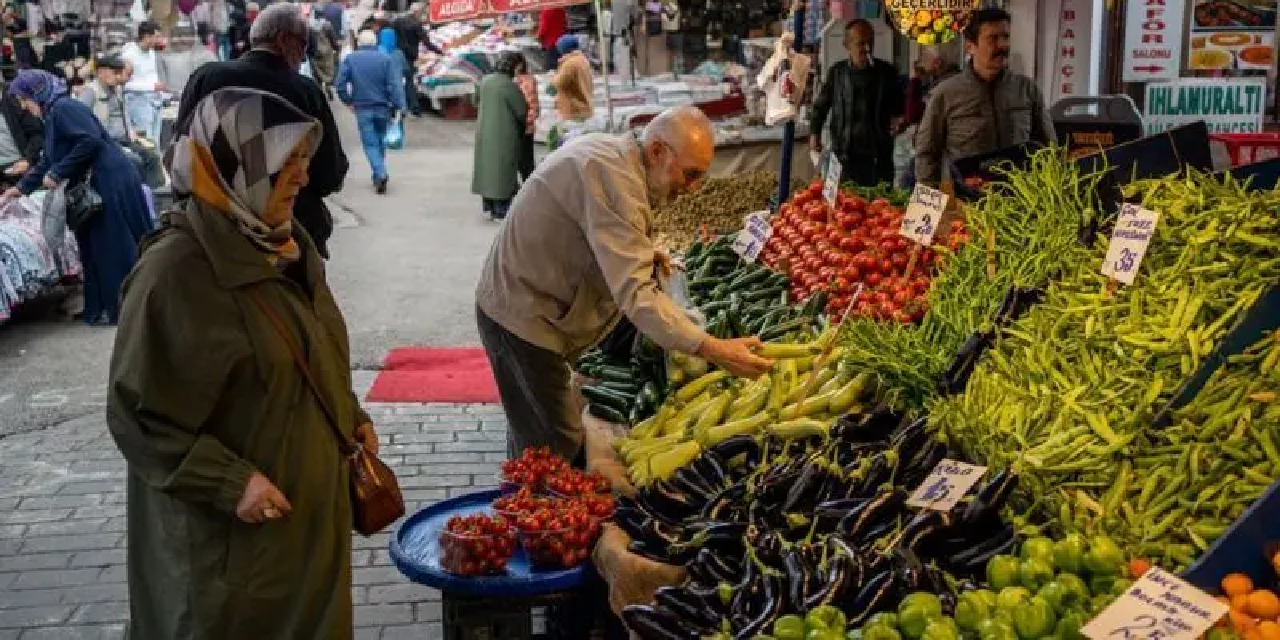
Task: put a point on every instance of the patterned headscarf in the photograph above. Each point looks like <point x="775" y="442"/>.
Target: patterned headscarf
<point x="238" y="141"/>
<point x="39" y="86"/>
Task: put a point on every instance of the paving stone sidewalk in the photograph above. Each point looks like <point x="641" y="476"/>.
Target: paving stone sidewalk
<point x="62" y="522"/>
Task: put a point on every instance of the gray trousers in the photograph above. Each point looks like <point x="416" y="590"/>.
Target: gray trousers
<point x="533" y="384"/>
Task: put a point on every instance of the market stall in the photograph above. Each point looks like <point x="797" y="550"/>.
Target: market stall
<point x="33" y="260"/>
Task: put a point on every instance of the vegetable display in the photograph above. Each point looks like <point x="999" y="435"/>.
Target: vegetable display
<point x="717" y="207"/>
<point x="1067" y="394"/>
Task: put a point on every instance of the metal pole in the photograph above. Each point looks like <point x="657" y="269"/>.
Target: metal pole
<point x="789" y="129"/>
<point x="604" y="65"/>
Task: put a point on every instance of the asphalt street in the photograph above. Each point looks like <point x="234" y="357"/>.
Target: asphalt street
<point x="403" y="270"/>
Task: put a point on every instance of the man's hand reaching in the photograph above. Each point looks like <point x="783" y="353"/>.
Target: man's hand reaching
<point x="737" y="356"/>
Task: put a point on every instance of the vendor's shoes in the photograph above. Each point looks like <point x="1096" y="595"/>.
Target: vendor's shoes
<point x="380" y="185"/>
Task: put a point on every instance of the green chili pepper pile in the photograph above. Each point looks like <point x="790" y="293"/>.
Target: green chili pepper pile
<point x="1034" y="219"/>
<point x="1068" y="392"/>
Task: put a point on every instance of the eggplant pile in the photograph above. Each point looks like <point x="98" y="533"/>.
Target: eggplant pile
<point x="767" y="527"/>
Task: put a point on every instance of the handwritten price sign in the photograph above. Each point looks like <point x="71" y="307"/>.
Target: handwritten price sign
<point x="756" y="231"/>
<point x="923" y="215"/>
<point x="831" y="182"/>
<point x="1129" y="241"/>
<point x="1159" y="606"/>
<point x="946" y="485"/>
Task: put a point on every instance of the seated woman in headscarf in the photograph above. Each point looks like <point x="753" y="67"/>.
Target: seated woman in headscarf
<point x="574" y="94"/>
<point x="239" y="507"/>
<point x="76" y="148"/>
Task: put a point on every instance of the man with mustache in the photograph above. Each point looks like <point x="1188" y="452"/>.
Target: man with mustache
<point x="985" y="108"/>
<point x="574" y="256"/>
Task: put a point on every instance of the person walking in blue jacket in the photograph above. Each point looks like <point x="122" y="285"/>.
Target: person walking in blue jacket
<point x="371" y="83"/>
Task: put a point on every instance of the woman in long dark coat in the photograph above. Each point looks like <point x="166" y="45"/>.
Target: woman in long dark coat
<point x="499" y="133"/>
<point x="75" y="143"/>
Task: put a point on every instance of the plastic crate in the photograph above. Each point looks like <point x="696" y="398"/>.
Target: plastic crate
<point x="1244" y="547"/>
<point x="1248" y="148"/>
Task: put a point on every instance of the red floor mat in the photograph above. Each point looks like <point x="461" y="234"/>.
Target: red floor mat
<point x="421" y="374"/>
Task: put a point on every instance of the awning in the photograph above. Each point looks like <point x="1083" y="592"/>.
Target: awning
<point x="454" y="10"/>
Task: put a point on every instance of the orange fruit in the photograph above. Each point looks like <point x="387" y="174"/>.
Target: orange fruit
<point x="1240" y="602"/>
<point x="1241" y="621"/>
<point x="1237" y="584"/>
<point x="1269" y="630"/>
<point x="1263" y="604"/>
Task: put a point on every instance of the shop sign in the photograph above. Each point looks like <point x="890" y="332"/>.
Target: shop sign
<point x="1226" y="105"/>
<point x="1073" y="58"/>
<point x="924" y="213"/>
<point x="509" y="6"/>
<point x="1153" y="39"/>
<point x="946" y="485"/>
<point x="931" y="21"/>
<point x="455" y="10"/>
<point x="1159" y="606"/>
<point x="1238" y="36"/>
<point x="1129" y="241"/>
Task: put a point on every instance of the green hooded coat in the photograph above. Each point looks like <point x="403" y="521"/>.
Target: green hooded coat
<point x="203" y="391"/>
<point x="499" y="134"/>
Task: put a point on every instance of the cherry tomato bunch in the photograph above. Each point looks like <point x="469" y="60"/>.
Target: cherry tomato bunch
<point x="533" y="467"/>
<point x="857" y="242"/>
<point x="559" y="537"/>
<point x="476" y="545"/>
<point x="572" y="483"/>
<point x="523" y="502"/>
<point x="599" y="505"/>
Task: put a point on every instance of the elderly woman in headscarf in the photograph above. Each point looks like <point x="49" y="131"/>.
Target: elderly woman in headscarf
<point x="229" y="389"/>
<point x="575" y="91"/>
<point x="78" y="148"/>
<point x="500" y="127"/>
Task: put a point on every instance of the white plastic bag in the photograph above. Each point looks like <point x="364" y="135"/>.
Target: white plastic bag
<point x="138" y="12"/>
<point x="773" y="80"/>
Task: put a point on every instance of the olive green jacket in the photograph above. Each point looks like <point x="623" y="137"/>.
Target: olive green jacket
<point x="500" y="126"/>
<point x="202" y="392"/>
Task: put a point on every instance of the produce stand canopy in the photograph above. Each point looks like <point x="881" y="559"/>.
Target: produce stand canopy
<point x="457" y="10"/>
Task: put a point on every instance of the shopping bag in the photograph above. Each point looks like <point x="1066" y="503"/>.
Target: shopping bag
<point x="395" y="135"/>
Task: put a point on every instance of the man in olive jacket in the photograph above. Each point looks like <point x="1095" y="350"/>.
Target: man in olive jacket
<point x="279" y="40"/>
<point x="985" y="108"/>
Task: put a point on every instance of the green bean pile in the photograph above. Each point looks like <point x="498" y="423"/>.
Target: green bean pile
<point x="1067" y="394"/>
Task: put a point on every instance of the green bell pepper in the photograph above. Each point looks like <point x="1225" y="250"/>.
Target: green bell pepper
<point x="1068" y="553"/>
<point x="1039" y="548"/>
<point x="825" y="634"/>
<point x="1034" y="619"/>
<point x="1010" y="597"/>
<point x="941" y="629"/>
<point x="1075" y="584"/>
<point x="971" y="610"/>
<point x="1034" y="574"/>
<point x="789" y="627"/>
<point x="758" y="636"/>
<point x="886" y="618"/>
<point x="1104" y="557"/>
<point x="1101" y="585"/>
<point x="915" y="611"/>
<point x="1120" y="585"/>
<point x="826" y="617"/>
<point x="1069" y="625"/>
<point x="1100" y="602"/>
<point x="1002" y="571"/>
<point x="1060" y="596"/>
<point x="880" y="632"/>
<point x="996" y="629"/>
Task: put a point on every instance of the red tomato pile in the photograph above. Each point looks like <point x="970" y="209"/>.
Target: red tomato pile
<point x="856" y="243"/>
<point x="572" y="483"/>
<point x="523" y="502"/>
<point x="476" y="545"/>
<point x="533" y="467"/>
<point x="560" y="537"/>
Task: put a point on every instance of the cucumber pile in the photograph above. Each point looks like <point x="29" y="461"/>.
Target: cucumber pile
<point x="734" y="297"/>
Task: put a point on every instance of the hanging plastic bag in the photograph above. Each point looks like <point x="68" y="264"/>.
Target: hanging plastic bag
<point x="395" y="135"/>
<point x="775" y="82"/>
<point x="138" y="12"/>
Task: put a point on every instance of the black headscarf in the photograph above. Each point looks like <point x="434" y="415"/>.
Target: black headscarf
<point x="509" y="62"/>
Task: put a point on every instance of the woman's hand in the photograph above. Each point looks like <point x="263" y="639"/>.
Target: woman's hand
<point x="261" y="501"/>
<point x="367" y="437"/>
<point x="50" y="182"/>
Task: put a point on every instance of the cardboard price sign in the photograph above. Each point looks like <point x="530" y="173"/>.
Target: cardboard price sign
<point x="1159" y="606"/>
<point x="1129" y="241"/>
<point x="831" y="183"/>
<point x="924" y="213"/>
<point x="756" y="231"/>
<point x="946" y="485"/>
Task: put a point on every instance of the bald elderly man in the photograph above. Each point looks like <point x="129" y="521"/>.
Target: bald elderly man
<point x="576" y="254"/>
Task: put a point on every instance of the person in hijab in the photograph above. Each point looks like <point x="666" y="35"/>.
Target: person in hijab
<point x="500" y="127"/>
<point x="239" y="512"/>
<point x="76" y="148"/>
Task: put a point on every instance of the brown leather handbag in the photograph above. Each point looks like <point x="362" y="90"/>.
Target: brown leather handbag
<point x="376" y="501"/>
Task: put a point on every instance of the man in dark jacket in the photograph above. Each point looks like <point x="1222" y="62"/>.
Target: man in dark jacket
<point x="408" y="26"/>
<point x="863" y="99"/>
<point x="21" y="140"/>
<point x="279" y="41"/>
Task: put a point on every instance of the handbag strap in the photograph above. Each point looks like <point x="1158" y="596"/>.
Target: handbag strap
<point x="344" y="445"/>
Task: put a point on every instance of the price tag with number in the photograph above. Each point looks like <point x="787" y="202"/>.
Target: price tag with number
<point x="946" y="485"/>
<point x="923" y="215"/>
<point x="1134" y="228"/>
<point x="831" y="184"/>
<point x="756" y="231"/>
<point x="1159" y="606"/>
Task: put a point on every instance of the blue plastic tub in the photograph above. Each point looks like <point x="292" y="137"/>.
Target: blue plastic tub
<point x="415" y="550"/>
<point x="1243" y="548"/>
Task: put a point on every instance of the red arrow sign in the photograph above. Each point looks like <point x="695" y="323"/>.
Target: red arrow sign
<point x="453" y="10"/>
<point x="1149" y="69"/>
